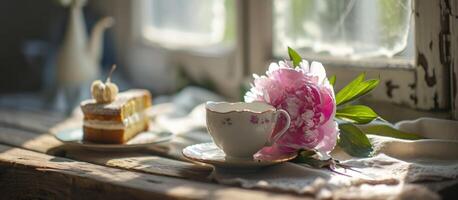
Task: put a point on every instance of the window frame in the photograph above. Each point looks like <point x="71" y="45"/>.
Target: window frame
<point x="423" y="84"/>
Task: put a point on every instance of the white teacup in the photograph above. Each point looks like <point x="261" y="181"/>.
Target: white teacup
<point x="241" y="129"/>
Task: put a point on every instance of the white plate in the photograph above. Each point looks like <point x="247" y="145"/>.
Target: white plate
<point x="74" y="137"/>
<point x="209" y="153"/>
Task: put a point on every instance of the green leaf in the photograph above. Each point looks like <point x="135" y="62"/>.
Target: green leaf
<point x="356" y="114"/>
<point x="353" y="141"/>
<point x="355" y="89"/>
<point x="294" y="56"/>
<point x="332" y="80"/>
<point x="369" y="86"/>
<point x="347" y="90"/>
<point x="384" y="129"/>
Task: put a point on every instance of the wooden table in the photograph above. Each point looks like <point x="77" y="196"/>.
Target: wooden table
<point x="34" y="165"/>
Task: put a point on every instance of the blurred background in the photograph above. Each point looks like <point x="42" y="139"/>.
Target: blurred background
<point x="215" y="45"/>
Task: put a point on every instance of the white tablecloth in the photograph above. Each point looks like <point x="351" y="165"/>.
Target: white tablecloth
<point x="398" y="169"/>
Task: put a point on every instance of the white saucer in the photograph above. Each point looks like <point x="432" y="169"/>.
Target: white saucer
<point x="74" y="137"/>
<point x="209" y="153"/>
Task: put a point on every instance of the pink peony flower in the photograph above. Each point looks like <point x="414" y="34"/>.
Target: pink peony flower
<point x="306" y="94"/>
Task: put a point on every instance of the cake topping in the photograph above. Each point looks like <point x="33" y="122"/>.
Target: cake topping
<point x="104" y="92"/>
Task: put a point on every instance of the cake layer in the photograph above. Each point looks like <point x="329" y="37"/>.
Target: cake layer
<point x="113" y="124"/>
<point x="126" y="104"/>
<point x="114" y="136"/>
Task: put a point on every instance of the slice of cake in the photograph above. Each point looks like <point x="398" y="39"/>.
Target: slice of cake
<point x="117" y="121"/>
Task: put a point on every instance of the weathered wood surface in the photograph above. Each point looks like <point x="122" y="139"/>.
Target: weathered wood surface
<point x="139" y="161"/>
<point x="39" y="142"/>
<point x="432" y="53"/>
<point x="27" y="119"/>
<point x="146" y="161"/>
<point x="31" y="175"/>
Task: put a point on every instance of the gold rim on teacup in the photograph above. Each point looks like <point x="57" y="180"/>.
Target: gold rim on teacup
<point x="211" y="103"/>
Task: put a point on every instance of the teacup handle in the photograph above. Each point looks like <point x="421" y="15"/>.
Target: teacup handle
<point x="285" y="128"/>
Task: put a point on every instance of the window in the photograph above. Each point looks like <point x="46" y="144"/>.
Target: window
<point x="347" y="28"/>
<point x="177" y="42"/>
<point x="404" y="42"/>
<point x="188" y="23"/>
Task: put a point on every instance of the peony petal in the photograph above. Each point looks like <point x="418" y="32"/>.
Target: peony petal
<point x="326" y="84"/>
<point x="330" y="132"/>
<point x="313" y="139"/>
<point x="305" y="66"/>
<point x="251" y="96"/>
<point x="286" y="64"/>
<point x="289" y="78"/>
<point x="328" y="105"/>
<point x="262" y="82"/>
<point x="272" y="67"/>
<point x="317" y="69"/>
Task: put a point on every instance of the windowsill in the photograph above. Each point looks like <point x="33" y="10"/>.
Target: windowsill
<point x="216" y="50"/>
<point x="367" y="63"/>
